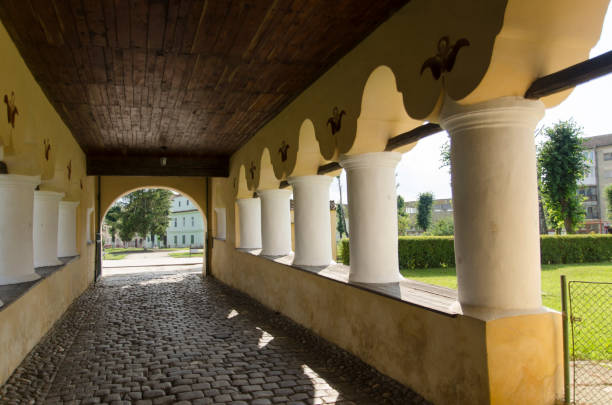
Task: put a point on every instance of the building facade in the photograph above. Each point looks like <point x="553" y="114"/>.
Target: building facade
<point x="186" y="227"/>
<point x="598" y="151"/>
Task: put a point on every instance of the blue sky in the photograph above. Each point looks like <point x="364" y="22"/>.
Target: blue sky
<point x="589" y="104"/>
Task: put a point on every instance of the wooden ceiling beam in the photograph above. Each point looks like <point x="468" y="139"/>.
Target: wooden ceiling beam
<point x="146" y="165"/>
<point x="570" y="77"/>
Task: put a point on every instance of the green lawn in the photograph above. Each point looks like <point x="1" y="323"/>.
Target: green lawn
<point x="588" y="344"/>
<point x="114" y="256"/>
<point x="185" y="254"/>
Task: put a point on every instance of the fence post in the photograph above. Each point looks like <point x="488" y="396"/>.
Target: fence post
<point x="566" y="369"/>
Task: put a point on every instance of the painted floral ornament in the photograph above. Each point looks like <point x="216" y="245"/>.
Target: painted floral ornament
<point x="444" y="60"/>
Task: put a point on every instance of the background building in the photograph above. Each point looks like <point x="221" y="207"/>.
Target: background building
<point x="598" y="150"/>
<point x="186" y="226"/>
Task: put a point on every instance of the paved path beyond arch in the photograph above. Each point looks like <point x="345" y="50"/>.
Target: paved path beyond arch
<point x="173" y="337"/>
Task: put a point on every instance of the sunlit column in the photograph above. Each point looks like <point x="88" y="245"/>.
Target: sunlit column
<point x="495" y="203"/>
<point x="312" y="218"/>
<point x="16" y="228"/>
<point x="372" y="206"/>
<point x="46" y="217"/>
<point x="275" y="222"/>
<point x="67" y="229"/>
<point x="249" y="211"/>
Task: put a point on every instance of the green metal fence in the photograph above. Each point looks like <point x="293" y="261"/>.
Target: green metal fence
<point x="588" y="320"/>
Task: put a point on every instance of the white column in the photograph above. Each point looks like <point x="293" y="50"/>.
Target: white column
<point x="67" y="230"/>
<point x="220" y="234"/>
<point x="16" y="228"/>
<point x="312" y="218"/>
<point x="275" y="222"/>
<point x="495" y="203"/>
<point x="249" y="211"/>
<point x="46" y="213"/>
<point x="372" y="206"/>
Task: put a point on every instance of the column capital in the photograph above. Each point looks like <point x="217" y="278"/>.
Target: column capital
<point x="315" y="178"/>
<point x="42" y="195"/>
<point x="500" y="112"/>
<point x="372" y="159"/>
<point x="69" y="204"/>
<point x="273" y="191"/>
<point x="8" y="180"/>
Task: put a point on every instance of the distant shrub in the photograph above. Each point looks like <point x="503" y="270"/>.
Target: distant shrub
<point x="422" y="252"/>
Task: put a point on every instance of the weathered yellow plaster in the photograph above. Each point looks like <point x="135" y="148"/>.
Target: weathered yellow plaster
<point x="525" y="359"/>
<point x="39" y="129"/>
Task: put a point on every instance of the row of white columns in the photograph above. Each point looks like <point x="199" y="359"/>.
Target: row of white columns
<point x="494" y="202"/>
<point x="36" y="228"/>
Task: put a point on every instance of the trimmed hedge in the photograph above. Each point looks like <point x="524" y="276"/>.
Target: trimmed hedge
<point x="575" y="248"/>
<point x="424" y="252"/>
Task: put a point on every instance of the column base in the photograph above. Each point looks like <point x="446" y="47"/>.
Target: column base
<point x="24" y="278"/>
<point x="274" y="253"/>
<point x="386" y="278"/>
<point x="48" y="263"/>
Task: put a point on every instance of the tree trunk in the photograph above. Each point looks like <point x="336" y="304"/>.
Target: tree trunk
<point x="343" y="216"/>
<point x="543" y="226"/>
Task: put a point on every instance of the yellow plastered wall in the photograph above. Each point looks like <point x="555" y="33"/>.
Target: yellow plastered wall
<point x="40" y="144"/>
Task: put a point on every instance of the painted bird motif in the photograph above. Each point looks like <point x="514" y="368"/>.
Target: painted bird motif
<point x="252" y="170"/>
<point x="445" y="58"/>
<point x="11" y="108"/>
<point x="69" y="169"/>
<point x="335" y="121"/>
<point x="47" y="145"/>
<point x="283" y="150"/>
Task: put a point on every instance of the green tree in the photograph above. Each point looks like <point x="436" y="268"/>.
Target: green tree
<point x="561" y="165"/>
<point x="145" y="212"/>
<point x="445" y="155"/>
<point x="424" y="207"/>
<point x="112" y="219"/>
<point x="443" y="227"/>
<point x="609" y="200"/>
<point x="341" y="213"/>
<point x="405" y="222"/>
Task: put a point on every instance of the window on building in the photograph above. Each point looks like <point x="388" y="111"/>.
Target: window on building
<point x="175" y="224"/>
<point x="192" y="221"/>
<point x="192" y="239"/>
<point x="183" y="221"/>
<point x="608" y="156"/>
<point x="175" y="240"/>
<point x="179" y="203"/>
<point x="187" y="202"/>
<point x="183" y="239"/>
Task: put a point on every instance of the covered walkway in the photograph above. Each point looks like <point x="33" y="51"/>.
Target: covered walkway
<point x="164" y="337"/>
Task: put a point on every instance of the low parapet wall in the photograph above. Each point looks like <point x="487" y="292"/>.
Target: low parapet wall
<point x="448" y="359"/>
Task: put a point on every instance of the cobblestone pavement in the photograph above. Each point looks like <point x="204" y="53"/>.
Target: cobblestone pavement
<point x="161" y="338"/>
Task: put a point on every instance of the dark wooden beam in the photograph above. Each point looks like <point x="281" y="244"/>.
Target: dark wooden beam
<point x="571" y="77"/>
<point x="412" y="136"/>
<point x="136" y="165"/>
<point x="328" y="168"/>
<point x="393" y="143"/>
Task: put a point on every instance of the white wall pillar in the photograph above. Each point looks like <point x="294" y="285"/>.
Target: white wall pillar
<point x="90" y="220"/>
<point x="221" y="227"/>
<point x="495" y="203"/>
<point x="275" y="222"/>
<point x="16" y="228"/>
<point x="249" y="211"/>
<point x="312" y="218"/>
<point x="67" y="229"/>
<point x="46" y="217"/>
<point x="372" y="206"/>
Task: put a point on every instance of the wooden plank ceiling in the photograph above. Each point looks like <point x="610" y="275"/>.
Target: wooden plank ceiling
<point x="181" y="77"/>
